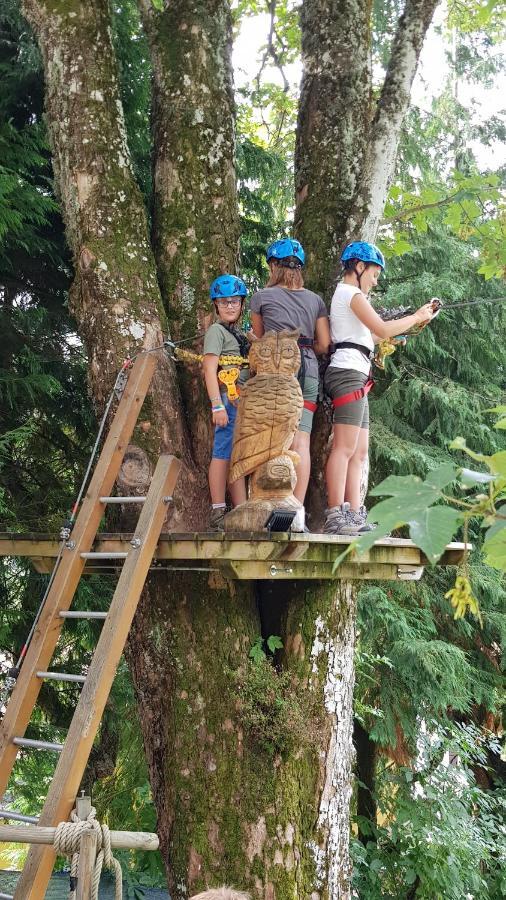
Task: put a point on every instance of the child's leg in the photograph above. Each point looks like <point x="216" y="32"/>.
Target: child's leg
<point x="218" y="472"/>
<point x="301" y="445"/>
<point x="344" y="445"/>
<point x="302" y="437"/>
<point x="354" y="473"/>
<point x="237" y="491"/>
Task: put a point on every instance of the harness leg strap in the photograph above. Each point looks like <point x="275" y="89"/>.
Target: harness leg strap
<point x="353" y="395"/>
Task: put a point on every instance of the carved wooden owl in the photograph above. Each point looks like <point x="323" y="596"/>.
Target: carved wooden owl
<point x="271" y="403"/>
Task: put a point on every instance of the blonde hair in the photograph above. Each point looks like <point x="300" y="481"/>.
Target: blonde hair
<point x="281" y="276"/>
<point x="223" y="893"/>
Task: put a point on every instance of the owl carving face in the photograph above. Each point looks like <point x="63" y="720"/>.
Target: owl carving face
<point x="277" y="352"/>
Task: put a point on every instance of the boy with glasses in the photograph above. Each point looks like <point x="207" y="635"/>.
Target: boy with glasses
<point x="224" y="340"/>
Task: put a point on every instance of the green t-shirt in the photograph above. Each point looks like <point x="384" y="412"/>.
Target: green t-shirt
<point x="220" y="342"/>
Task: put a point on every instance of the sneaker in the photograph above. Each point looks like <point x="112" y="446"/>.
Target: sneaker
<point x="216" y="519"/>
<point x="359" y="517"/>
<point x="339" y="521"/>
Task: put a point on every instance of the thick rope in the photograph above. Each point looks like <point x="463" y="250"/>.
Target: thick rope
<point x="67" y="842"/>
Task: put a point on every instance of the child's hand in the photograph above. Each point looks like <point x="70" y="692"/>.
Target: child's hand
<point x="220" y="418"/>
<point x="425" y="313"/>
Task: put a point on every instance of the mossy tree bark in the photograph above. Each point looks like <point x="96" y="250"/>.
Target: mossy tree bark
<point x="195" y="213"/>
<point x="115" y="296"/>
<point x="346" y="154"/>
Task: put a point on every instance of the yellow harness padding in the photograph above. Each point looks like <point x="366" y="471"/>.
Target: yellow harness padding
<point x="227" y="377"/>
<point x="385" y="348"/>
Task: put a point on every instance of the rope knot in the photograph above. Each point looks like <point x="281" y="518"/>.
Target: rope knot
<point x="67" y="842"/>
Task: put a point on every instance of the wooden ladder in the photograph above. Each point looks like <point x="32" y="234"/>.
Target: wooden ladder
<point x="74" y="753"/>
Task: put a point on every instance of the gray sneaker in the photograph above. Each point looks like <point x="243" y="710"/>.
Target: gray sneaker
<point x="359" y="517"/>
<point x="216" y="519"/>
<point x="339" y="521"/>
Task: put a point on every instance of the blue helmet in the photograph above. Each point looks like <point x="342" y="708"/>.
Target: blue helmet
<point x="367" y="253"/>
<point x="285" y="247"/>
<point x="227" y="286"/>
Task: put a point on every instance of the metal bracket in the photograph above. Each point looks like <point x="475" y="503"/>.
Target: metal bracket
<point x="278" y="570"/>
<point x="120" y="385"/>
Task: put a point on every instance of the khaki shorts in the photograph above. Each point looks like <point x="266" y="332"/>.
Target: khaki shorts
<point x="337" y="383"/>
<point x="310" y="395"/>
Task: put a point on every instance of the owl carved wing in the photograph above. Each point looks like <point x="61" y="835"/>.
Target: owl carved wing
<point x="268" y="416"/>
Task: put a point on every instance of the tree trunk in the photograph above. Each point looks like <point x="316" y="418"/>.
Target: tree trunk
<point x="332" y="130"/>
<point x="195" y="215"/>
<point x="231" y="809"/>
<point x="115" y="296"/>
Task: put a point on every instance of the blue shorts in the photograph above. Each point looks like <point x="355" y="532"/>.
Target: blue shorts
<point x="223" y="437"/>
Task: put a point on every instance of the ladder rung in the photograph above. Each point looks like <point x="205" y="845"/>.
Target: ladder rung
<point x="91" y="555"/>
<point x="37" y="745"/>
<point x="18" y="817"/>
<point x="122" y="499"/>
<point x="61" y="676"/>
<point x="83" y="614"/>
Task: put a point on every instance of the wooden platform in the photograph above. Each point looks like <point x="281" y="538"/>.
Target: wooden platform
<point x="247" y="556"/>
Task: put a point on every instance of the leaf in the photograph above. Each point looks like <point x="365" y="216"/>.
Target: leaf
<point x="494" y="546"/>
<point x="497" y="463"/>
<point x="410" y="876"/>
<point x="443" y="475"/>
<point x="274" y="642"/>
<point x="434" y="529"/>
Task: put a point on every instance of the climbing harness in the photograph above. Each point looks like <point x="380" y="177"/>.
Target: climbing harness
<point x="354" y="395"/>
<point x="67" y="840"/>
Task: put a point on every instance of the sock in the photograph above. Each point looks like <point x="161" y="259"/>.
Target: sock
<point x="219" y="505"/>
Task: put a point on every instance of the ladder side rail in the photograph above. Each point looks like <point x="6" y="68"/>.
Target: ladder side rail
<point x="86" y="720"/>
<point x="45" y="637"/>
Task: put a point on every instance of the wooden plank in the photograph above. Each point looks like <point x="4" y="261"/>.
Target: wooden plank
<point x="40" y="652"/>
<point x="282" y="570"/>
<point x="86" y="720"/>
<point x="36" y="834"/>
<point x="87" y="854"/>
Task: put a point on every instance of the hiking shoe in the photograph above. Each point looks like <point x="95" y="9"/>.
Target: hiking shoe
<point x="216" y="519"/>
<point x="339" y="521"/>
<point x="359" y="517"/>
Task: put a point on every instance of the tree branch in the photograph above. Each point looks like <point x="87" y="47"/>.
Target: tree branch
<point x="393" y="104"/>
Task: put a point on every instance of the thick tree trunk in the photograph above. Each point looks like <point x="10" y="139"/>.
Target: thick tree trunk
<point x="344" y="160"/>
<point x="115" y="296"/>
<point x="332" y="131"/>
<point x="195" y="215"/>
<point x="275" y="823"/>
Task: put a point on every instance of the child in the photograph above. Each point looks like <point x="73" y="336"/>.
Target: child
<point x="286" y="304"/>
<point x="355" y="328"/>
<point x="224" y="338"/>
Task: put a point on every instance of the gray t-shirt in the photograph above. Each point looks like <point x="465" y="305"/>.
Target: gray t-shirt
<point x="283" y="309"/>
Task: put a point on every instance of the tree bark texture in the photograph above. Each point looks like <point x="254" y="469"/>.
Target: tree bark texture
<point x="334" y="113"/>
<point x="195" y="212"/>
<point x="115" y="296"/>
<point x="390" y="112"/>
<point x="229" y="811"/>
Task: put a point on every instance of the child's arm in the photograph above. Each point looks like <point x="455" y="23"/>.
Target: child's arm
<point x="257" y="324"/>
<point x="210" y="367"/>
<point x="322" y="336"/>
<point x="370" y="318"/>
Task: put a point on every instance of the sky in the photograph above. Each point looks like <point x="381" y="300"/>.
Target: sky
<point x="429" y="81"/>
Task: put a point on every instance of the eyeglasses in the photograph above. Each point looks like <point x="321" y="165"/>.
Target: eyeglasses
<point x="233" y="302"/>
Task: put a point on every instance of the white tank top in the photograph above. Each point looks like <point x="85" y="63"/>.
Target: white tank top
<point x="346" y="326"/>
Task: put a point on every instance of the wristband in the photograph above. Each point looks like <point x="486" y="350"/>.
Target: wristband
<point x="215" y="399"/>
<point x="217" y="408"/>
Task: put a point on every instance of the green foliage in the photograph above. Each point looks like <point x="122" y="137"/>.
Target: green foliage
<point x="260" y="647"/>
<point x="442" y="837"/>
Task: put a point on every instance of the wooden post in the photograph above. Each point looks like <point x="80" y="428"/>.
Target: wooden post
<point x="87" y="852"/>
